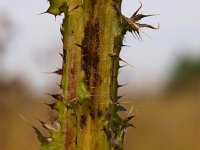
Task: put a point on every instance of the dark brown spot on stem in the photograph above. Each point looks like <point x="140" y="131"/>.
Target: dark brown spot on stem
<point x="83" y="120"/>
<point x="92" y="115"/>
<point x="90" y="50"/>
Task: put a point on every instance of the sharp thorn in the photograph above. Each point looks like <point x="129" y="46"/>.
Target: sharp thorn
<point x="119" y="97"/>
<point x="61" y="55"/>
<point x="130" y="111"/>
<point x="125" y="62"/>
<point x="41" y="138"/>
<point x="122" y="66"/>
<point x="23" y="118"/>
<point x="125" y="45"/>
<point x="59" y="72"/>
<point x="52" y="105"/>
<point x="120" y="107"/>
<point x="56" y="96"/>
<point x="43" y="13"/>
<point x="60" y="85"/>
<point x="122" y="85"/>
<point x="135" y="13"/>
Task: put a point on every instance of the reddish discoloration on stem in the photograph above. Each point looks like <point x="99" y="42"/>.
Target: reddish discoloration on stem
<point x="68" y="139"/>
<point x="72" y="93"/>
<point x="73" y="79"/>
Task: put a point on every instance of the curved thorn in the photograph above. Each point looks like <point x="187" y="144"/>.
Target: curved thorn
<point x="145" y="33"/>
<point x="148" y="26"/>
<point x="135" y="13"/>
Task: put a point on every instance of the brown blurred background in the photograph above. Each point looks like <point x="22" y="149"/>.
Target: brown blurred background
<point x="163" y="86"/>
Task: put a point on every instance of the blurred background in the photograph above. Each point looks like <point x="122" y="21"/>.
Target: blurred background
<point x="163" y="86"/>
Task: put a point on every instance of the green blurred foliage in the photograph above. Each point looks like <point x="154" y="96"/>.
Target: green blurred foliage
<point x="185" y="76"/>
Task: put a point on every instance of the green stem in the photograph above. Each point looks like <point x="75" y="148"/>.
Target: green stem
<point x="92" y="34"/>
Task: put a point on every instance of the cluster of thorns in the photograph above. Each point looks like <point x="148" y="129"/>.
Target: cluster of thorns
<point x="133" y="22"/>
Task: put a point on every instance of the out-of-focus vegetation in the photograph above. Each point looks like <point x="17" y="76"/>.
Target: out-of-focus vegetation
<point x="166" y="125"/>
<point x="160" y="124"/>
<point x="186" y="76"/>
<point x="6" y="27"/>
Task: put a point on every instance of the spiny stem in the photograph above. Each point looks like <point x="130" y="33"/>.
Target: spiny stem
<point x="92" y="34"/>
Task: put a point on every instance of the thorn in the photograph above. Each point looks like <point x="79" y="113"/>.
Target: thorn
<point x="49" y="127"/>
<point x="125" y="62"/>
<point x="113" y="55"/>
<point x="43" y="13"/>
<point x="133" y="33"/>
<point x="119" y="97"/>
<point x="58" y="125"/>
<point x="125" y="45"/>
<point x="135" y="13"/>
<point x="41" y="122"/>
<point x="114" y="77"/>
<point x="151" y="15"/>
<point x="108" y="132"/>
<point x="120" y="107"/>
<point x="148" y="26"/>
<point x="41" y="138"/>
<point x="56" y="96"/>
<point x="61" y="55"/>
<point x="119" y="86"/>
<point x="52" y="106"/>
<point x="23" y="118"/>
<point x="125" y="102"/>
<point x="61" y="30"/>
<point x="60" y="85"/>
<point x="140" y="17"/>
<point x="144" y="33"/>
<point x="124" y="40"/>
<point x="137" y="35"/>
<point x="117" y="8"/>
<point x="122" y="66"/>
<point x="130" y="111"/>
<point x="55" y="17"/>
<point x="58" y="72"/>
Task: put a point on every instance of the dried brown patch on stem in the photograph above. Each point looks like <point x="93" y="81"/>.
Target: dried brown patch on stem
<point x="90" y="50"/>
<point x="68" y="139"/>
